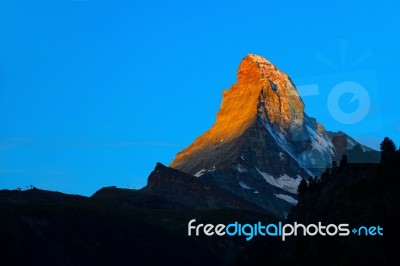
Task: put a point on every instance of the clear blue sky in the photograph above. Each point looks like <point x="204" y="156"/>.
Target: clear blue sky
<point x="94" y="93"/>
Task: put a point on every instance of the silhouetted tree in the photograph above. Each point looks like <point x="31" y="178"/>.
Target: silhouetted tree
<point x="334" y="166"/>
<point x="343" y="161"/>
<point x="388" y="146"/>
<point x="303" y="187"/>
<point x="325" y="175"/>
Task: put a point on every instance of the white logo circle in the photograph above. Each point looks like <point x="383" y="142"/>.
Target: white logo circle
<point x="359" y="93"/>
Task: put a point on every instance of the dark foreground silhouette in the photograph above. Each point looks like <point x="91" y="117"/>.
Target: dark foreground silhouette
<point x="135" y="227"/>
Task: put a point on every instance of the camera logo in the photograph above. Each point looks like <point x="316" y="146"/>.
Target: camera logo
<point x="359" y="94"/>
<point x="345" y="93"/>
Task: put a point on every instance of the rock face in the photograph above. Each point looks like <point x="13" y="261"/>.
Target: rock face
<point x="195" y="193"/>
<point x="261" y="110"/>
<point x="262" y="143"/>
<point x="263" y="92"/>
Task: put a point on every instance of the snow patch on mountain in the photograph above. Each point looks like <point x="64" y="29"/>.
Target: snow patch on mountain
<point x="289" y="184"/>
<point x="269" y="178"/>
<point x="322" y="152"/>
<point x="203" y="171"/>
<point x="200" y="173"/>
<point x="319" y="143"/>
<point x="284" y="145"/>
<point x="241" y="169"/>
<point x="287" y="198"/>
<point x="284" y="182"/>
<point x="243" y="185"/>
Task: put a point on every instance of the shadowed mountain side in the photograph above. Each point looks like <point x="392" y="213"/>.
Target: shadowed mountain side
<point x="46" y="228"/>
<point x="122" y="226"/>
<point x="358" y="194"/>
<point x="255" y="147"/>
<point x="133" y="199"/>
<point x="196" y="193"/>
<point x="113" y="227"/>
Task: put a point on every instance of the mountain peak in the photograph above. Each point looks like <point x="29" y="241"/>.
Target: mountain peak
<point x="262" y="92"/>
<point x="254" y="67"/>
<point x="262" y="144"/>
<point x="276" y="96"/>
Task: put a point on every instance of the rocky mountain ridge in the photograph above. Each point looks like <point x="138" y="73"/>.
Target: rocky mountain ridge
<point x="263" y="143"/>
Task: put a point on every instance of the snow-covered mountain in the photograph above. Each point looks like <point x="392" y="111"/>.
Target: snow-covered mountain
<point x="262" y="143"/>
